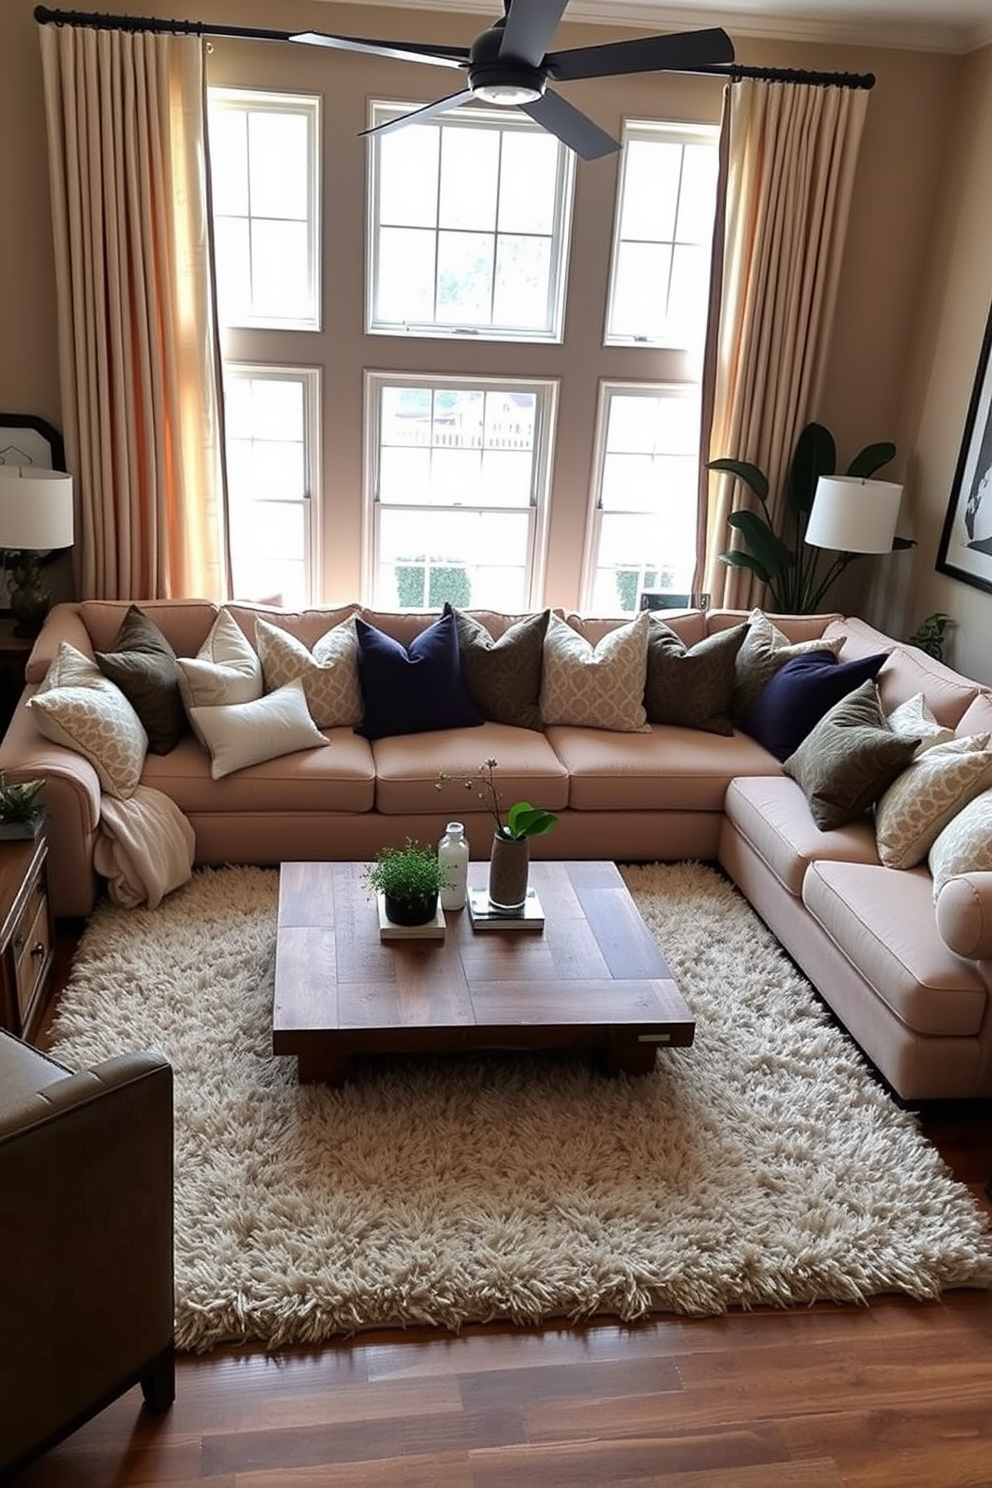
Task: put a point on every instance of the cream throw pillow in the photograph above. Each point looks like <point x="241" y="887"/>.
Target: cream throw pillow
<point x="78" y="707"/>
<point x="924" y="798"/>
<point x="914" y="720"/>
<point x="225" y="669"/>
<point x="329" y="672"/>
<point x="598" y="686"/>
<point x="965" y="844"/>
<point x="241" y="734"/>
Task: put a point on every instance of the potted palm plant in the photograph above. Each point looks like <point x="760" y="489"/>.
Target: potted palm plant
<point x="21" y="810"/>
<point x="409" y="878"/>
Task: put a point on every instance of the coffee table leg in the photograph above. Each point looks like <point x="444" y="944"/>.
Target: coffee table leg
<point x="630" y="1057"/>
<point x="326" y="1067"/>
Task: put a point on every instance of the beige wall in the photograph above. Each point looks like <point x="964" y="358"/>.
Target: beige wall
<point x="913" y="295"/>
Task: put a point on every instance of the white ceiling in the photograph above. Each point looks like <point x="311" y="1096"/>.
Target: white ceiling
<point x="925" y="25"/>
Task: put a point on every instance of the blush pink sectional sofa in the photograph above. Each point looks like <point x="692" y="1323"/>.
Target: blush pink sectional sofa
<point x="908" y="977"/>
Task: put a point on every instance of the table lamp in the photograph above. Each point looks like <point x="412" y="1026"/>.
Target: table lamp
<point x="35" y="517"/>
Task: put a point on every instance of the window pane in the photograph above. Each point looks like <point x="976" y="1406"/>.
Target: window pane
<point x="464" y="278"/>
<point x="640" y="296"/>
<point x="278" y="155"/>
<point x="469" y="176"/>
<point x="528" y="174"/>
<point x="523" y="274"/>
<point x="698" y="194"/>
<point x="408" y="172"/>
<point x="689" y="295"/>
<point x="468" y="558"/>
<point x="280" y="269"/>
<point x="650" y="190"/>
<point x="231" y="245"/>
<point x="641" y="552"/>
<point x="229" y="161"/>
<point x="406" y="275"/>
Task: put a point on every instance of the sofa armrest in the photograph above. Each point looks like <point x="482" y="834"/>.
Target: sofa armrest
<point x="964" y="915"/>
<point x="62" y="623"/>
<point x="86" y="1240"/>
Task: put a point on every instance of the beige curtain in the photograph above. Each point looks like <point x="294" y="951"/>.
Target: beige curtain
<point x="788" y="158"/>
<point x="138" y="346"/>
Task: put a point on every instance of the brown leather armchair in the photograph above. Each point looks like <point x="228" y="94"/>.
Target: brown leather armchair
<point x="86" y="1242"/>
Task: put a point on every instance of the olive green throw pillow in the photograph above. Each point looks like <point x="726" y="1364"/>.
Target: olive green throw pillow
<point x="142" y="663"/>
<point x="848" y="759"/>
<point x="503" y="676"/>
<point x="692" y="685"/>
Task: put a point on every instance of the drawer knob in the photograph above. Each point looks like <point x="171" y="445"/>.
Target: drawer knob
<point x="38" y="949"/>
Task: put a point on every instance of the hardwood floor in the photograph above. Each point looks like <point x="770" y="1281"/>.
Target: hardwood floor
<point x="894" y="1393"/>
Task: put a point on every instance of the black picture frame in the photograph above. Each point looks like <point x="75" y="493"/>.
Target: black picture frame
<point x="965" y="549"/>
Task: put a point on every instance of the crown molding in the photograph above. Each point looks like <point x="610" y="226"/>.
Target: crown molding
<point x="927" y="35"/>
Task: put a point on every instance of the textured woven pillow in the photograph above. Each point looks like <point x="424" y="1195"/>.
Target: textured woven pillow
<point x="921" y="802"/>
<point x="503" y="675"/>
<point x="848" y="759"/>
<point x="691" y="685"/>
<point x="598" y="686"/>
<point x="764" y="651"/>
<point x="965" y="844"/>
<point x="800" y="693"/>
<point x="143" y="665"/>
<point x="914" y="717"/>
<point x="329" y="672"/>
<point x="80" y="708"/>
<point x="225" y="669"/>
<point x="241" y="734"/>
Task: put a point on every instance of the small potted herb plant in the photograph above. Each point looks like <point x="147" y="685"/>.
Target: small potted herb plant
<point x="409" y="878"/>
<point x="21" y="810"/>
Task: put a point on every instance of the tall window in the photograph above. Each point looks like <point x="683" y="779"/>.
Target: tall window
<point x="272" y="419"/>
<point x="469" y="221"/>
<point x="457" y="485"/>
<point x="264" y="169"/>
<point x="662" y="235"/>
<point x="644" y="513"/>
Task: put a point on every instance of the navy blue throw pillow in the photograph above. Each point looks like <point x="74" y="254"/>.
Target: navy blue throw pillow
<point x="410" y="689"/>
<point x="793" y="701"/>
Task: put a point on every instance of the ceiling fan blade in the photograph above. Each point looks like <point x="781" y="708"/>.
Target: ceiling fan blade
<point x="402" y="51"/>
<point x="571" y="126"/>
<point x="418" y="116"/>
<point x="679" y="52"/>
<point x="530" y="25"/>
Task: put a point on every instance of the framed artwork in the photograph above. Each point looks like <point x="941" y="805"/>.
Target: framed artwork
<point x="965" y="550"/>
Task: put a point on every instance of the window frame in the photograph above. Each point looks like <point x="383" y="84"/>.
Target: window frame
<point x="665" y="131"/>
<point x="311" y="380"/>
<point x="310" y="106"/>
<point x="546" y="391"/>
<point x="468" y="117"/>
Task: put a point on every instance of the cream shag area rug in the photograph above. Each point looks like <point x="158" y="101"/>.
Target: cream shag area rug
<point x="761" y="1166"/>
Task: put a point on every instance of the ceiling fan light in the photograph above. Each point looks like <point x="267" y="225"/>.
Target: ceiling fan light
<point x="507" y="95"/>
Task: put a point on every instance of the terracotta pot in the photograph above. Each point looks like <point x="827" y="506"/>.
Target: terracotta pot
<point x="509" y="863"/>
<point x="410" y="911"/>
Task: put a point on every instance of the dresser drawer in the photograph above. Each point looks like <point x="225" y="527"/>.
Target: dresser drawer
<point x="27" y="943"/>
<point x="32" y="947"/>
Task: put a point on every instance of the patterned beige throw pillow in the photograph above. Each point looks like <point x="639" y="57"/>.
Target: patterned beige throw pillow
<point x="913" y="718"/>
<point x="78" y="707"/>
<point x="329" y="672"/>
<point x="924" y="798"/>
<point x="965" y="844"/>
<point x="598" y="686"/>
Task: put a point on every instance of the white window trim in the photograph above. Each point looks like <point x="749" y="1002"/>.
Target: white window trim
<point x="607" y="388"/>
<point x="546" y="418"/>
<point x="311" y="379"/>
<point x="645" y="129"/>
<point x="381" y="110"/>
<point x="309" y="105"/>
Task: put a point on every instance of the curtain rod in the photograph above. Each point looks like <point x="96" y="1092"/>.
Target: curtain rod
<point x="731" y="70"/>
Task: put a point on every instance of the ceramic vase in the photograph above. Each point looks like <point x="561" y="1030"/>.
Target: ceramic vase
<point x="509" y="862"/>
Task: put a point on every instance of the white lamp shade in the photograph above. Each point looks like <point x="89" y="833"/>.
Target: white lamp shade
<point x="35" y="508"/>
<point x="852" y="515"/>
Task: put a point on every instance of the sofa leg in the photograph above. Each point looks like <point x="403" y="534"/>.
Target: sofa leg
<point x="158" y="1383"/>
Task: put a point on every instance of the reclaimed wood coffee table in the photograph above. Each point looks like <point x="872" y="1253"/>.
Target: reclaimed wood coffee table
<point x="594" y="978"/>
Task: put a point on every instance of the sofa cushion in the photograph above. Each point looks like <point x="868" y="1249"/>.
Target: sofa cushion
<point x="926" y="795"/>
<point x="798" y="696"/>
<point x="240" y="734"/>
<point x="336" y="780"/>
<point x="328" y="670"/>
<point x="143" y="665"/>
<point x="225" y="670"/>
<point x="848" y="759"/>
<point x="691" y="685"/>
<point x="667" y="769"/>
<point x="964" y="845"/>
<point x="503" y="675"/>
<point x="78" y="707"/>
<point x="772" y="815"/>
<point x="882" y="920"/>
<point x="407" y="770"/>
<point x="766" y="649"/>
<point x="412" y="689"/>
<point x="599" y="686"/>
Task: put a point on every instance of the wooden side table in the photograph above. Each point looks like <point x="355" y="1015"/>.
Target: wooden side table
<point x="26" y="938"/>
<point x="14" y="653"/>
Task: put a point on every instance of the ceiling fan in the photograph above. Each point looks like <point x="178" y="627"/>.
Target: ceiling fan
<point x="508" y="65"/>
